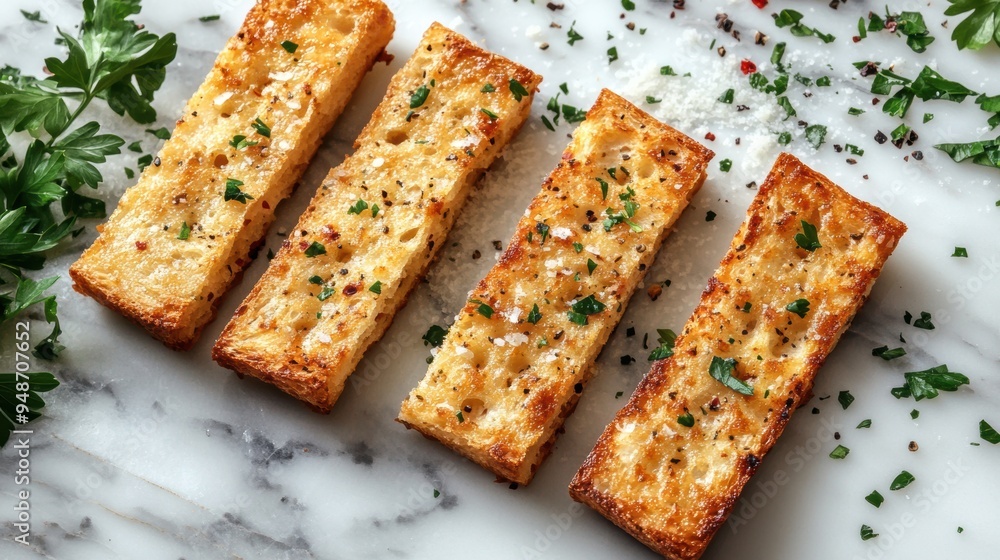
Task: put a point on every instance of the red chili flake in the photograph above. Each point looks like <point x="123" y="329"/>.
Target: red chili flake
<point x="710" y="137"/>
<point x="351" y="289"/>
<point x="714" y="405"/>
<point x="760" y="3"/>
<point x="141" y="245"/>
<point x="747" y="67"/>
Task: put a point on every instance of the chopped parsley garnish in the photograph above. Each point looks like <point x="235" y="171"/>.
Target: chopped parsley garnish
<point x="823" y="81"/>
<point x="845" y="398"/>
<point x="867" y="423"/>
<point x="161" y="133"/>
<point x="543" y="231"/>
<point x="315" y="249"/>
<point x="629" y="5"/>
<point x="625" y="215"/>
<point x="35" y="16"/>
<point x="960" y="252"/>
<point x="493" y="116"/>
<point x="488" y="88"/>
<point x="591" y="266"/>
<point x="785" y="104"/>
<point x="985" y="152"/>
<point x="572" y="114"/>
<point x="854" y="111"/>
<point x="725" y="165"/>
<point x="816" y="135"/>
<point x="924" y="322"/>
<point x="604" y="188"/>
<point x="727" y="96"/>
<point x="666" y="340"/>
<point x="612" y="54"/>
<point x="233" y="191"/>
<point x="800" y="307"/>
<point x="652" y="100"/>
<point x="902" y="480"/>
<point x="318" y="280"/>
<point x="926" y="384"/>
<point x="980" y="27"/>
<point x="886" y="354"/>
<point x="928" y="117"/>
<point x="325" y="293"/>
<point x="376" y="288"/>
<point x="808" y="239"/>
<point x="240" y="142"/>
<point x="185" y="232"/>
<point x="747" y="307"/>
<point x="573" y="35"/>
<point x="686" y="419"/>
<point x="419" y="97"/>
<point x="710" y="216"/>
<point x="261" y="128"/>
<point x="460" y="417"/>
<point x="722" y="371"/>
<point x="289" y="46"/>
<point x="867" y="533"/>
<point x="667" y="71"/>
<point x="793" y="20"/>
<point x="785" y="138"/>
<point x="875" y="498"/>
<point x="900" y="132"/>
<point x="988" y="433"/>
<point x="914" y="414"/>
<point x="854" y="150"/>
<point x="578" y="247"/>
<point x="482" y="308"/>
<point x="434" y="336"/>
<point x="360" y="206"/>
<point x="839" y="452"/>
<point x="535" y="315"/>
<point x="585" y="307"/>
<point x="517" y="90"/>
<point x="206" y="19"/>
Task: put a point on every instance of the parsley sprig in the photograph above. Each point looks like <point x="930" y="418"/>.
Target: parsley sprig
<point x="111" y="59"/>
<point x="980" y="27"/>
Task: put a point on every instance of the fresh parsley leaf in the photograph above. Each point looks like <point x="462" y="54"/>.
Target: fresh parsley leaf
<point x="980" y="27"/>
<point x="875" y="498"/>
<point x="985" y="152"/>
<point x="315" y="249"/>
<point x="629" y="5"/>
<point x="584" y="307"/>
<point x="517" y="90"/>
<point x="845" y="398"/>
<point x="434" y="336"/>
<point x="867" y="423"/>
<point x="419" y="97"/>
<point x="839" y="452"/>
<point x="988" y="433"/>
<point x="35" y="16"/>
<point x="261" y="128"/>
<point x="543" y="231"/>
<point x="902" y="480"/>
<point x="793" y="20"/>
<point x="233" y="191"/>
<point x="665" y="349"/>
<point x="867" y="533"/>
<point x="886" y="354"/>
<point x="722" y="371"/>
<point x="318" y="280"/>
<point x="799" y="307"/>
<point x="808" y="239"/>
<point x="926" y="384"/>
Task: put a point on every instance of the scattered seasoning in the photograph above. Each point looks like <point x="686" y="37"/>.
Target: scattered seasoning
<point x="233" y="191"/>
<point x="886" y="354"/>
<point x="315" y="249"/>
<point x="436" y="493"/>
<point x="800" y="307"/>
<point x="867" y="533"/>
<point x="960" y="530"/>
<point x="875" y="498"/>
<point x="867" y="423"/>
<point x="988" y="433"/>
<point x="960" y="252"/>
<point x="839" y="452"/>
<point x="902" y="480"/>
<point x="289" y="46"/>
<point x="722" y="371"/>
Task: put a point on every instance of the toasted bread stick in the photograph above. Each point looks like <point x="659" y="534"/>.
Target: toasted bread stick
<point x="505" y="380"/>
<point x="672" y="486"/>
<point x="378" y="219"/>
<point x="183" y="233"/>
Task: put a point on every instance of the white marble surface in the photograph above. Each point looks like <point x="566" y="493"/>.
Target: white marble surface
<point x="149" y="453"/>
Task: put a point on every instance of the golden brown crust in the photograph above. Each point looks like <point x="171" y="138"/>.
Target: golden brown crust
<point x="671" y="486"/>
<point x="172" y="287"/>
<point x="416" y="159"/>
<point x="514" y="377"/>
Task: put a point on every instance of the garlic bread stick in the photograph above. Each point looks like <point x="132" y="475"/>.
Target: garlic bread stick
<point x="671" y="465"/>
<point x="378" y="219"/>
<point x="186" y="230"/>
<point x="515" y="362"/>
